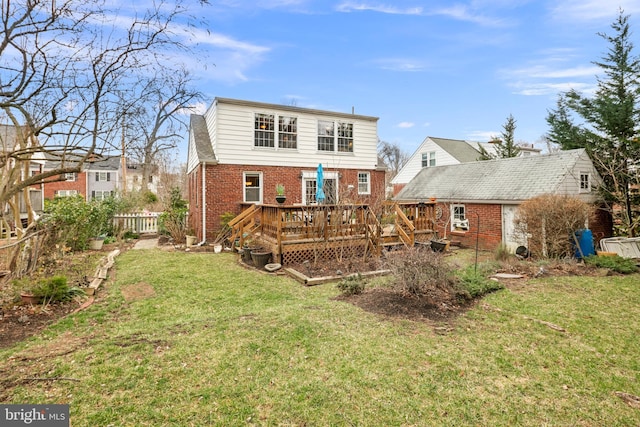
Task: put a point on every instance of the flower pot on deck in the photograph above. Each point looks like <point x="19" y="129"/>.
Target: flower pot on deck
<point x="260" y="258"/>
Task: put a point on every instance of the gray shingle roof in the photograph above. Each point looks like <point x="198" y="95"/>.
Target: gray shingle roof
<point x="202" y="141"/>
<point x="514" y="179"/>
<point x="460" y="150"/>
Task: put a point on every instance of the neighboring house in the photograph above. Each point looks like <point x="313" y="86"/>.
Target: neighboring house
<point x="442" y="152"/>
<point x="490" y="191"/>
<point x="9" y="139"/>
<point x="133" y="177"/>
<point x="240" y="150"/>
<point x="97" y="180"/>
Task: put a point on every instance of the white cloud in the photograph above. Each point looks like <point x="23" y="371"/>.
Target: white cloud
<point x="591" y="10"/>
<point x="481" y="135"/>
<point x="401" y="64"/>
<point x="381" y="8"/>
<point x="406" y="125"/>
<point x="464" y="13"/>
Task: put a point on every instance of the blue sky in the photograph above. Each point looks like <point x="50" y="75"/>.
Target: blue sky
<point x="438" y="68"/>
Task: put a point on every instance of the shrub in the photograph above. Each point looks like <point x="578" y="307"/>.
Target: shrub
<point x="419" y="272"/>
<point x="615" y="263"/>
<point x="502" y="252"/>
<point x="549" y="221"/>
<point x="173" y="221"/>
<point x="474" y="282"/>
<point x="351" y="285"/>
<point x="55" y="289"/>
<point x="73" y="221"/>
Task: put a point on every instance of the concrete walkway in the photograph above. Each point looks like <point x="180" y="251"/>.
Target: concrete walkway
<point x="146" y="243"/>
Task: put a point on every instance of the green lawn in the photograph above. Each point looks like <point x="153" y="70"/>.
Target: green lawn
<point x="219" y="344"/>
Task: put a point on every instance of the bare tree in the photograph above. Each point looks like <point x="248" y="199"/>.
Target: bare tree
<point x="393" y="156"/>
<point x="160" y="118"/>
<point x="63" y="74"/>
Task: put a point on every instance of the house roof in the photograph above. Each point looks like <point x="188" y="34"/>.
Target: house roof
<point x="291" y="108"/>
<point x="71" y="159"/>
<point x="514" y="179"/>
<point x="202" y="140"/>
<point x="463" y="151"/>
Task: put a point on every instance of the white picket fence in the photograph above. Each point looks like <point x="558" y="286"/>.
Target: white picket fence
<point x="141" y="222"/>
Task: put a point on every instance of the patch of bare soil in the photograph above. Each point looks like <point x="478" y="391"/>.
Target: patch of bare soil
<point x="137" y="291"/>
<point x="385" y="302"/>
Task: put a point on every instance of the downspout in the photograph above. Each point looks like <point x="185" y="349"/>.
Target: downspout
<point x="204" y="205"/>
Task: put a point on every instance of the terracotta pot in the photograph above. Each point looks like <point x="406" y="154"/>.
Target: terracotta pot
<point x="30" y="298"/>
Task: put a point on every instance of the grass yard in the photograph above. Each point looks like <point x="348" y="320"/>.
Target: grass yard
<point x="200" y="340"/>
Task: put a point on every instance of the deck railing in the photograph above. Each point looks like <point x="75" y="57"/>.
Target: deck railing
<point x="296" y="233"/>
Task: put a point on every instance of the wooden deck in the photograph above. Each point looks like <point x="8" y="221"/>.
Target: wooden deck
<point x="298" y="233"/>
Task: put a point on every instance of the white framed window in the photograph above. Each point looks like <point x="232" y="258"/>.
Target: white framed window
<point x="72" y="176"/>
<point x="335" y="136"/>
<point x="103" y="176"/>
<point x="364" y="183"/>
<point x="264" y="130"/>
<point x="326" y="134"/>
<point x="585" y="182"/>
<point x="65" y="193"/>
<point x="252" y="182"/>
<point x="345" y="137"/>
<point x="287" y="132"/>
<point x="459" y="218"/>
<point x="429" y="159"/>
<point x="100" y="194"/>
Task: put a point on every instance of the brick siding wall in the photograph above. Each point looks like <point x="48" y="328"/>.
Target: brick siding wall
<point x="224" y="184"/>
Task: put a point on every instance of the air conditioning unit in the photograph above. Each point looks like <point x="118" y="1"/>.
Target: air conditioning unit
<point x="462" y="224"/>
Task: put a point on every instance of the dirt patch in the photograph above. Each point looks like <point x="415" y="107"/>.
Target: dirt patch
<point x="391" y="304"/>
<point x="137" y="291"/>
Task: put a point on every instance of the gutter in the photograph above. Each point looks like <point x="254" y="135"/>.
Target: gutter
<point x="204" y="206"/>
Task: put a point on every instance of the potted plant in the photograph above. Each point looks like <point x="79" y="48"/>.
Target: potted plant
<point x="280" y="197"/>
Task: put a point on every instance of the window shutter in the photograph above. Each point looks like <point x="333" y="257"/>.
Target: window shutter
<point x="108" y="176"/>
<point x="97" y="176"/>
<point x="93" y="195"/>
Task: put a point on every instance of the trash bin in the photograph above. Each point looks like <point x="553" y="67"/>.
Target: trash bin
<point x="583" y="243"/>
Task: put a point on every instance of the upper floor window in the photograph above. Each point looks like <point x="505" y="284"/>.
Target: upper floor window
<point x="287" y="132"/>
<point x="345" y="137"/>
<point x="264" y="133"/>
<point x="70" y="176"/>
<point x="103" y="176"/>
<point x="334" y="136"/>
<point x="364" y="183"/>
<point x="585" y="182"/>
<point x="326" y="134"/>
<point x="428" y="159"/>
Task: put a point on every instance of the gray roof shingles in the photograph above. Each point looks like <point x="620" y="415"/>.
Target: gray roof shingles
<point x="513" y="179"/>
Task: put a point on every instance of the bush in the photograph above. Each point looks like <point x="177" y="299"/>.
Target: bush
<point x="73" y="221"/>
<point x="549" y="221"/>
<point x="351" y="285"/>
<point x="419" y="272"/>
<point x="173" y="221"/>
<point x="474" y="282"/>
<point x="55" y="289"/>
<point x="615" y="263"/>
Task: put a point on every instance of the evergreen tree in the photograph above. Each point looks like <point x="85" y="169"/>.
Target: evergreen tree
<point x="505" y="145"/>
<point x="609" y="124"/>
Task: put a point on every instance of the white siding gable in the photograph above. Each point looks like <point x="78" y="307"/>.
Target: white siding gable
<point x="414" y="164"/>
<point x="231" y="128"/>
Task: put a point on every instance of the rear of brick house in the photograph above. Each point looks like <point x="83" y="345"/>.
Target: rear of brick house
<point x="239" y="151"/>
